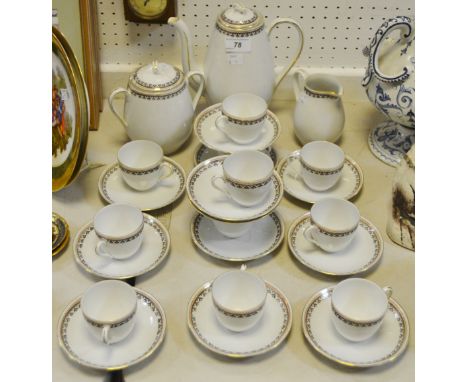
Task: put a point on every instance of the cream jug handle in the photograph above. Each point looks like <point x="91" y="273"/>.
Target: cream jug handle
<point x="279" y="21"/>
<point x="402" y="23"/>
<point x="201" y="85"/>
<point x="298" y="82"/>
<point x="111" y="99"/>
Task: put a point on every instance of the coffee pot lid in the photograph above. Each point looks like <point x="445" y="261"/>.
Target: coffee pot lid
<point x="157" y="78"/>
<point x="240" y="19"/>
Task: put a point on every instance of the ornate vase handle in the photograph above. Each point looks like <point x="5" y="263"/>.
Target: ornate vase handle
<point x="404" y="24"/>
<point x="279" y="21"/>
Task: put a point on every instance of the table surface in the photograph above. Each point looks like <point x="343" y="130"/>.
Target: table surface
<point x="174" y="281"/>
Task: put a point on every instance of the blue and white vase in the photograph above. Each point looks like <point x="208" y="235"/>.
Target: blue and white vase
<point x="389" y="83"/>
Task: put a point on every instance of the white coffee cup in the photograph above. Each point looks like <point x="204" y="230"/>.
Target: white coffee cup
<point x="247" y="177"/>
<point x="239" y="299"/>
<point x="232" y="230"/>
<point x="109" y="308"/>
<point x="142" y="164"/>
<point x="333" y="224"/>
<point x="321" y="165"/>
<point x="243" y="117"/>
<point x="358" y="307"/>
<point x="119" y="228"/>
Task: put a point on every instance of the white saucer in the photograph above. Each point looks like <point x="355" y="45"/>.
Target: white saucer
<point x="203" y="153"/>
<point x="214" y="139"/>
<point x="155" y="247"/>
<point x="265" y="235"/>
<point x="347" y="187"/>
<point x="387" y="345"/>
<point x="114" y="189"/>
<point x="82" y="347"/>
<point x="214" y="203"/>
<point x="266" y="335"/>
<point x="363" y="253"/>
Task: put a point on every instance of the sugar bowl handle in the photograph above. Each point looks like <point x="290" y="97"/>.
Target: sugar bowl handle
<point x="111" y="100"/>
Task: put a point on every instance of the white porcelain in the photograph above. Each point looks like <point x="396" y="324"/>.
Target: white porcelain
<point x="239" y="56"/>
<point x="262" y="238"/>
<point x="109" y="308"/>
<point x="154" y="249"/>
<point x="243" y="117"/>
<point x="214" y="203"/>
<point x="203" y="153"/>
<point x="390" y="85"/>
<point x="270" y="332"/>
<point x="208" y="134"/>
<point x="362" y="254"/>
<point x="358" y="307"/>
<point x="119" y="228"/>
<point x="114" y="189"/>
<point x="384" y="347"/>
<point x="231" y="230"/>
<point x="321" y="165"/>
<point x="142" y="164"/>
<point x="239" y="298"/>
<point x="86" y="350"/>
<point x="318" y="113"/>
<point x="333" y="224"/>
<point x="347" y="187"/>
<point x="247" y="177"/>
<point x="158" y="105"/>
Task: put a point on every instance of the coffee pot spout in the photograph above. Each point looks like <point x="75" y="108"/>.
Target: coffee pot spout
<point x="185" y="42"/>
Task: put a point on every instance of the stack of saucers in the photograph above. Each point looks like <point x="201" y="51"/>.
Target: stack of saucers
<point x="60" y="234"/>
<point x="235" y="196"/>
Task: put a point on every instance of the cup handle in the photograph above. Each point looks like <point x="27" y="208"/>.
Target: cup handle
<point x="218" y="187"/>
<point x="388" y="291"/>
<point x="293" y="173"/>
<point x="220" y="124"/>
<point x="105" y="334"/>
<point x="111" y="100"/>
<point x="167" y="174"/>
<point x="309" y="234"/>
<point x="100" y="249"/>
<point x="243" y="267"/>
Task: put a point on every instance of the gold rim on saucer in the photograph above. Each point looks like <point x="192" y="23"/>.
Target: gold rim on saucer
<point x="393" y="306"/>
<point x="351" y="163"/>
<point x="201" y="293"/>
<point x="178" y="171"/>
<point x="74" y="307"/>
<point x="149" y="221"/>
<point x="364" y="223"/>
<point x="62" y="246"/>
<point x="200" y="245"/>
<point x="217" y="161"/>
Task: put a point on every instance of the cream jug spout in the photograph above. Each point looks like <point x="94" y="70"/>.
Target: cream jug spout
<point x="185" y="42"/>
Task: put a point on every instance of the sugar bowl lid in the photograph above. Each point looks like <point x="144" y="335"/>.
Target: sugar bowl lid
<point x="240" y="19"/>
<point x="156" y="78"/>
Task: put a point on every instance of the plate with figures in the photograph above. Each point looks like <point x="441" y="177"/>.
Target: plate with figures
<point x="211" y="137"/>
<point x="154" y="249"/>
<point x="214" y="203"/>
<point x="86" y="350"/>
<point x="348" y="186"/>
<point x="363" y="253"/>
<point x="263" y="237"/>
<point x="266" y="335"/>
<point x="385" y="346"/>
<point x="113" y="188"/>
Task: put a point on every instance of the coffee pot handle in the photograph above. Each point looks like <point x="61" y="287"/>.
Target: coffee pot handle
<point x="277" y="22"/>
<point x="201" y="85"/>
<point x="405" y="26"/>
<point x="111" y="100"/>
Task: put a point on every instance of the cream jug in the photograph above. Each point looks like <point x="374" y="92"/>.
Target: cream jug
<point x="319" y="113"/>
<point x="158" y="105"/>
<point x="239" y="58"/>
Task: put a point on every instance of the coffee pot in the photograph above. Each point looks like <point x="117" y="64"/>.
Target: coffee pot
<point x="239" y="58"/>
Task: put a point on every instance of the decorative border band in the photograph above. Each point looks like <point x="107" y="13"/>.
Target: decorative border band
<point x="320" y="172"/>
<point x="239" y="34"/>
<point x="248" y="186"/>
<point x="246" y="123"/>
<point x="152" y="86"/>
<point x="317" y="95"/>
<point x="121" y="241"/>
<point x="237" y="315"/>
<point x="335" y="234"/>
<point x="139" y="172"/>
<point x="230" y="21"/>
<point x="116" y="325"/>
<point x="353" y="323"/>
<point x="161" y="96"/>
